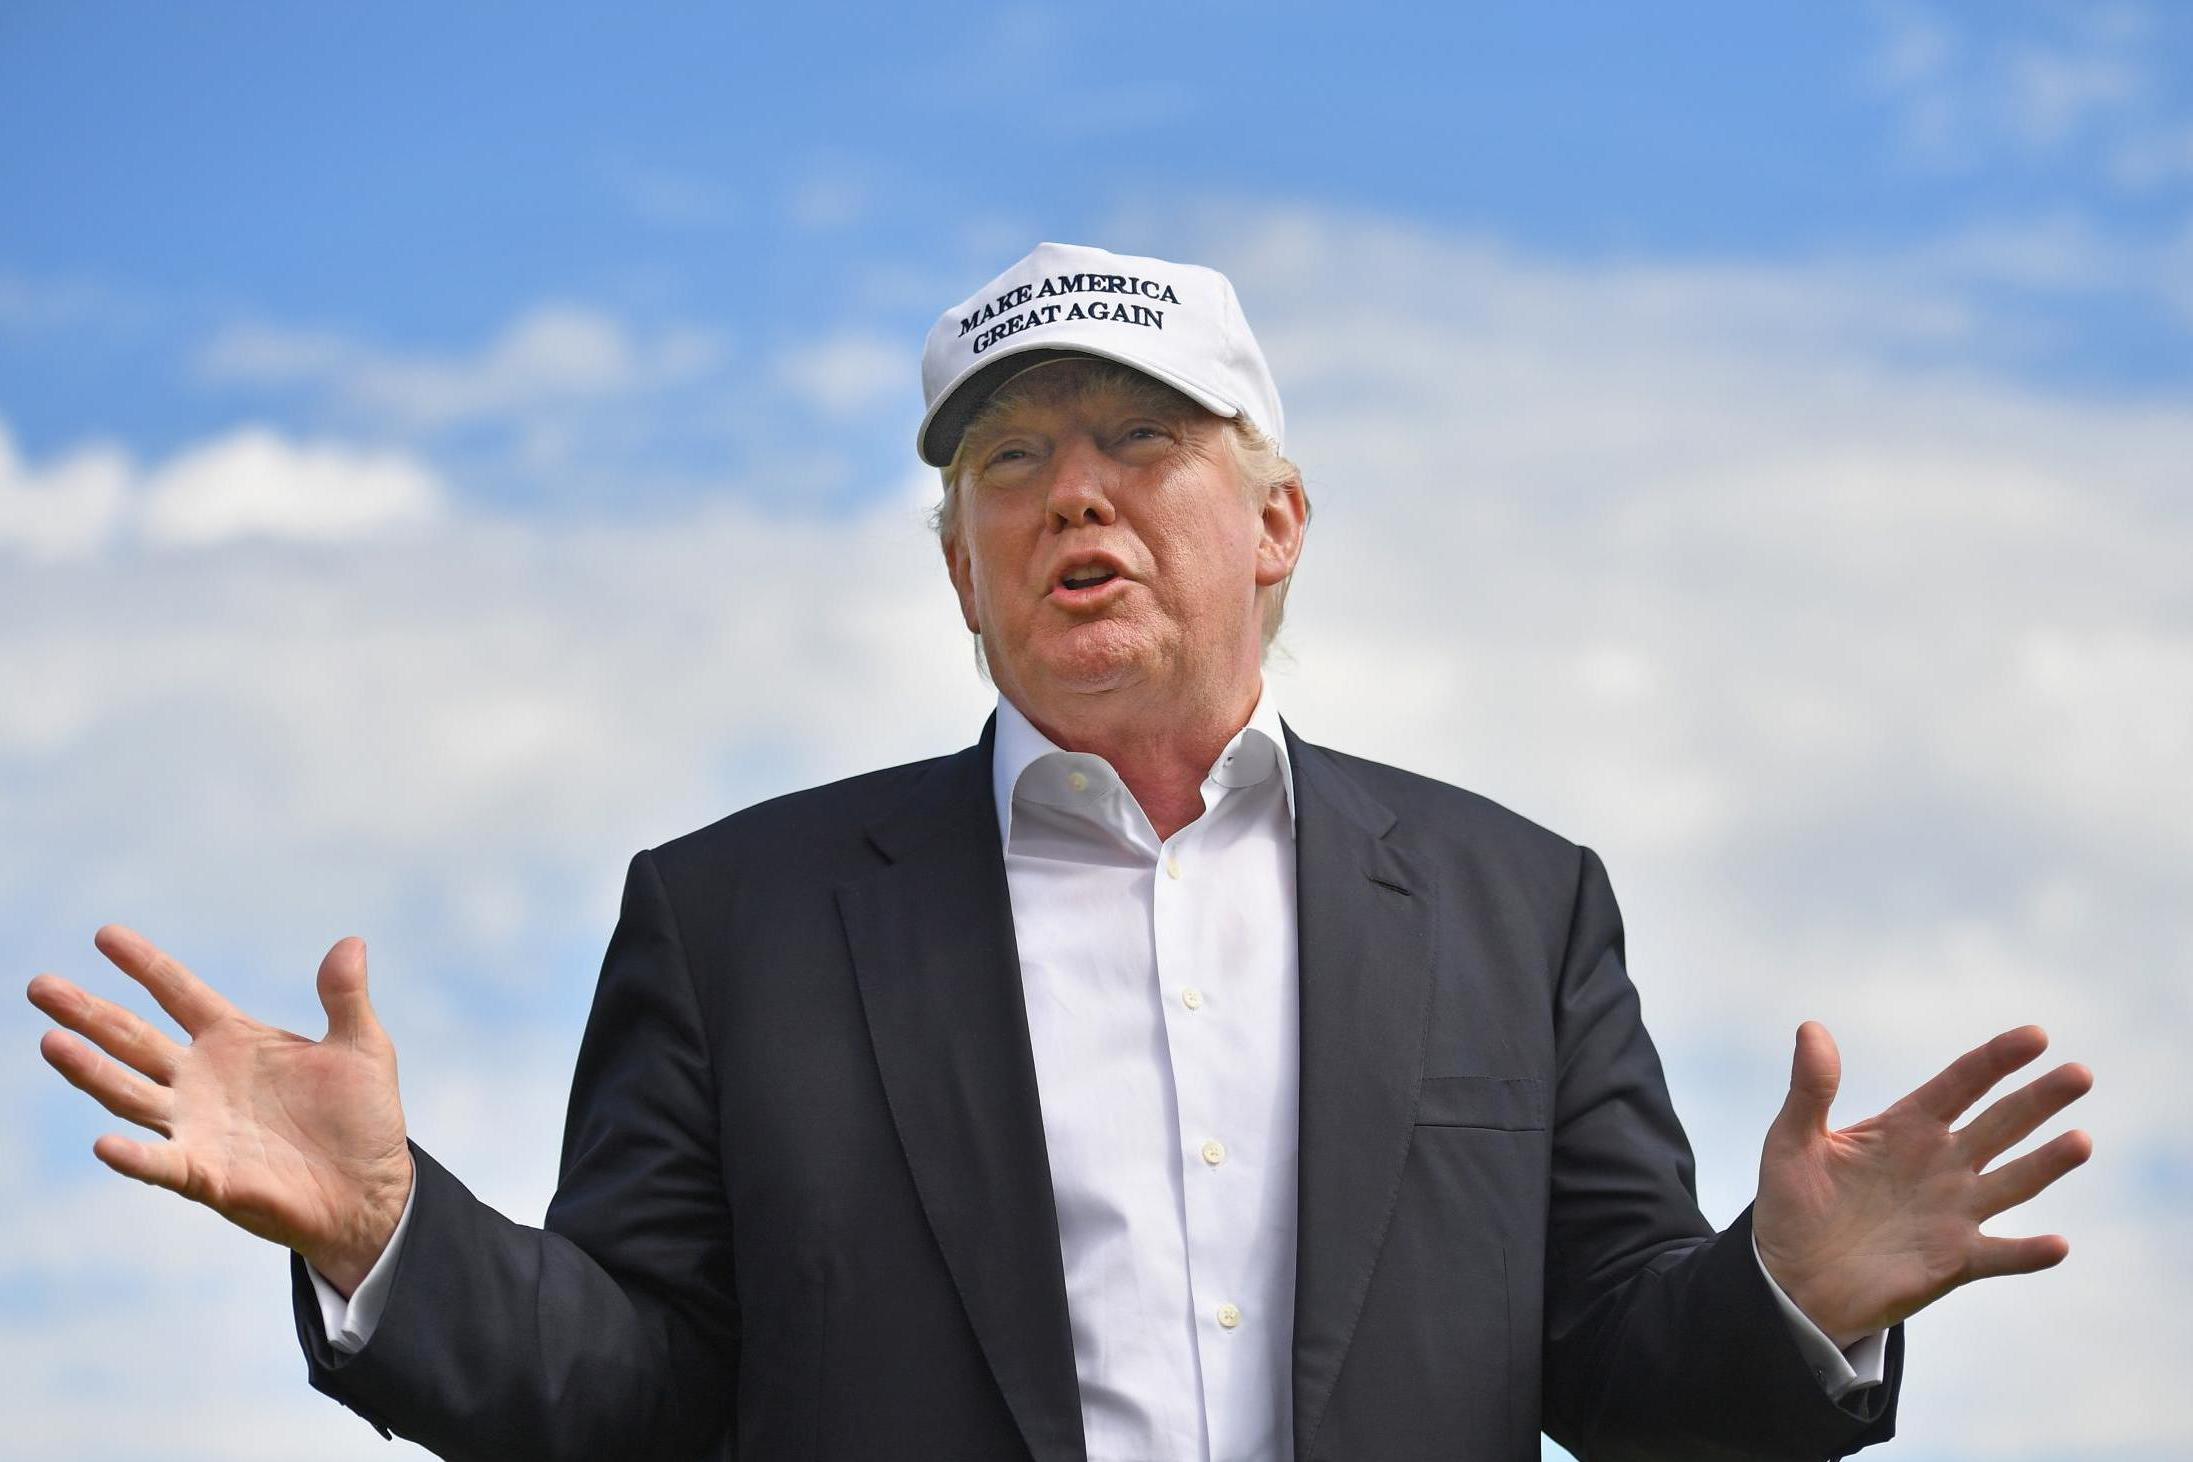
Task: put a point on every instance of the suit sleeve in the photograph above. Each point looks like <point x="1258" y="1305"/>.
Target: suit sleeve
<point x="1662" y="1338"/>
<point x="613" y="1331"/>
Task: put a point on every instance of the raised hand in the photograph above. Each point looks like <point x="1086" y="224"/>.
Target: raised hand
<point x="296" y="1140"/>
<point x="1866" y="1225"/>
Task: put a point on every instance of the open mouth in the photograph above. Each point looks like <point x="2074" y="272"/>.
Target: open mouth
<point x="1086" y="577"/>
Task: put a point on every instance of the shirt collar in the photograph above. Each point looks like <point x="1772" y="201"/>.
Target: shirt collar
<point x="1256" y="750"/>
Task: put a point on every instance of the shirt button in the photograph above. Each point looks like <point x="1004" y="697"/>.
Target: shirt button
<point x="1214" y="1152"/>
<point x="1079" y="781"/>
<point x="1192" y="998"/>
<point x="1229" y="1316"/>
<point x="1172" y="867"/>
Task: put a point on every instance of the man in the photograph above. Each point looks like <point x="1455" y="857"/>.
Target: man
<point x="1140" y="1082"/>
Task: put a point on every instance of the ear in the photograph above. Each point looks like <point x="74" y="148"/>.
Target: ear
<point x="962" y="571"/>
<point x="1284" y="521"/>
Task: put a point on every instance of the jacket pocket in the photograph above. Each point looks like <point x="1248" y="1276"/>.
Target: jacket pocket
<point x="1504" y="1103"/>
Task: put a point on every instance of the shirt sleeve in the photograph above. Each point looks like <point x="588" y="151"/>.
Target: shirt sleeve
<point x="1840" y="1371"/>
<point x="350" y="1322"/>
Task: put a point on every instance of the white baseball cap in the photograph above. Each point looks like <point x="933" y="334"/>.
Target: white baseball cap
<point x="1177" y="322"/>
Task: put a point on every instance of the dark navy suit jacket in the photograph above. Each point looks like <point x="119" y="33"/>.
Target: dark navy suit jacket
<point x="805" y="1213"/>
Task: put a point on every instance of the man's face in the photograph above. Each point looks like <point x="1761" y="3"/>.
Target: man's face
<point x="1105" y="545"/>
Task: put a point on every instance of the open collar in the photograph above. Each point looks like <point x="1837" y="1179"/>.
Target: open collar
<point x="1026" y="763"/>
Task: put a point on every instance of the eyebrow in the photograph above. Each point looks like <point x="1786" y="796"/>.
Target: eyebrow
<point x="977" y="440"/>
<point x="985" y="431"/>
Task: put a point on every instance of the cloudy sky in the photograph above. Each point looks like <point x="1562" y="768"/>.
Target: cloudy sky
<point x="443" y="451"/>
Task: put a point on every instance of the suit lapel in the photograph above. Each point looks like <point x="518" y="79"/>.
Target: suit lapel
<point x="1365" y="924"/>
<point x="932" y="943"/>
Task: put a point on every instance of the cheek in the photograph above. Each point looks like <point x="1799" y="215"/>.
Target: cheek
<point x="995" y="561"/>
<point x="1207" y="554"/>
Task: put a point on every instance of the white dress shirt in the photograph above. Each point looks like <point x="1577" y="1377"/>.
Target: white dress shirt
<point x="1161" y="987"/>
<point x="1160" y="980"/>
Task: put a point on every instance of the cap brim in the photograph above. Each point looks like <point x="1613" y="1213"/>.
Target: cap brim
<point x="947" y="420"/>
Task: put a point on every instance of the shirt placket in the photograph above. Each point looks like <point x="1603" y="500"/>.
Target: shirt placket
<point x="1093" y="795"/>
<point x="1196" y="1015"/>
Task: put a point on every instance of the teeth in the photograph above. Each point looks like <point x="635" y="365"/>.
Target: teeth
<point x="1084" y="576"/>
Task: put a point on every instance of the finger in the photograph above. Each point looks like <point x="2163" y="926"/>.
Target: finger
<point x="194" y="1004"/>
<point x="2017" y="1116"/>
<point x="1994" y="1257"/>
<point x="115" y="1029"/>
<point x="1815" y="1072"/>
<point x="111" y="1084"/>
<point x="2014" y="1182"/>
<point x="342" y="984"/>
<point x="1967" y="1079"/>
<point x="158" y="1163"/>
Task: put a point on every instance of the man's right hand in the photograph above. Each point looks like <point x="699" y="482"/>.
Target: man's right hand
<point x="296" y="1140"/>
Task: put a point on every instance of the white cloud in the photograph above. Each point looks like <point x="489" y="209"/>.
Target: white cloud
<point x="1916" y="47"/>
<point x="2061" y="83"/>
<point x="54" y="302"/>
<point x="2063" y="253"/>
<point x="431" y="692"/>
<point x="552" y="356"/>
<point x="847" y="374"/>
<point x="250" y="483"/>
<point x="267" y="353"/>
<point x="66" y="509"/>
<point x="1867" y="668"/>
<point x="2053" y="93"/>
<point x="255" y="484"/>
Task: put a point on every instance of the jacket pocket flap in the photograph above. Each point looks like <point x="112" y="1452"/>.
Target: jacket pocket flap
<point x="1508" y="1103"/>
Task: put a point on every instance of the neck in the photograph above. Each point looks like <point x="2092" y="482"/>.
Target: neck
<point x="1163" y="753"/>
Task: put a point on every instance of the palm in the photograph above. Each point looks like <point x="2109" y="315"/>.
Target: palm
<point x="1865" y="1225"/>
<point x="280" y="1133"/>
<point x="299" y="1141"/>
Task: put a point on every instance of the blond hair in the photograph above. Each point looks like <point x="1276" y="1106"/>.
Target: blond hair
<point x="1262" y="468"/>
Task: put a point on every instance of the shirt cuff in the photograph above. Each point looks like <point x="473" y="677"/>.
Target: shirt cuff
<point x="350" y="1323"/>
<point x="1839" y="1372"/>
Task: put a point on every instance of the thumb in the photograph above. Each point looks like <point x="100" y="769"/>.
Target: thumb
<point x="342" y="985"/>
<point x="1815" y="1071"/>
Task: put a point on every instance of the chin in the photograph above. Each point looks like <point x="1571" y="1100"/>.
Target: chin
<point x="1095" y="657"/>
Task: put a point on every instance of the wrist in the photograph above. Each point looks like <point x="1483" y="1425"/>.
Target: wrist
<point x="1818" y="1301"/>
<point x="345" y="1261"/>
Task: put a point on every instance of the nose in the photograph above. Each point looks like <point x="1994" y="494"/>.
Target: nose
<point x="1080" y="488"/>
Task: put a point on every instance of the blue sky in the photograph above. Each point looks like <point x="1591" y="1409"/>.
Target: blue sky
<point x="418" y="175"/>
<point x="442" y="451"/>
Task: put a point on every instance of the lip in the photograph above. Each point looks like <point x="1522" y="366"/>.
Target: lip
<point x="1096" y="593"/>
<point x="1089" y="598"/>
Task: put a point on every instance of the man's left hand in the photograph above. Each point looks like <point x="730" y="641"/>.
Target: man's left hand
<point x="1864" y="1226"/>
